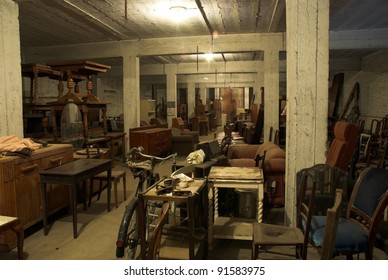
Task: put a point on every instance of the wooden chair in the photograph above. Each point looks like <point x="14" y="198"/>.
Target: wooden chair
<point x="14" y="224"/>
<point x="116" y="176"/>
<point x="277" y="235"/>
<point x="356" y="232"/>
<point x="154" y="238"/>
<point x="329" y="232"/>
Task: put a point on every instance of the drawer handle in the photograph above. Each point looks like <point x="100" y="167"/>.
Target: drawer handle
<point x="56" y="160"/>
<point x="29" y="168"/>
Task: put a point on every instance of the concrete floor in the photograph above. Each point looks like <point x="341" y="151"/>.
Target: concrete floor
<point x="98" y="232"/>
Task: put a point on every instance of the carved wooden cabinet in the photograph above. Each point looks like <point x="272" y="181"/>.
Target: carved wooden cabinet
<point x="155" y="141"/>
<point x="20" y="194"/>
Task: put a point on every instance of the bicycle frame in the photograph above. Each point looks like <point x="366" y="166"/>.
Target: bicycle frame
<point x="144" y="170"/>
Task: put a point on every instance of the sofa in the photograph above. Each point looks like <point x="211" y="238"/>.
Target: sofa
<point x="272" y="159"/>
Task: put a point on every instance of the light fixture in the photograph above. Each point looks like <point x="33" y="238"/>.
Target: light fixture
<point x="178" y="13"/>
<point x="209" y="56"/>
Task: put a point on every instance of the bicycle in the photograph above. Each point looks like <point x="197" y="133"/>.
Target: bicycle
<point x="142" y="167"/>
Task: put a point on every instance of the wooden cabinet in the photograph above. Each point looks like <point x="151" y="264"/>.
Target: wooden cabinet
<point x="147" y="110"/>
<point x="155" y="141"/>
<point x="20" y="194"/>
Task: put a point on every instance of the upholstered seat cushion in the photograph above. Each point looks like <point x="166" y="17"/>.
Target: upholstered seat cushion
<point x="350" y="237"/>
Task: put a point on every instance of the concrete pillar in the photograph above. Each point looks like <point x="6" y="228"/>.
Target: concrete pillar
<point x="271" y="86"/>
<point x="202" y="93"/>
<point x="190" y="98"/>
<point x="258" y="83"/>
<point x="307" y="90"/>
<point x="246" y="97"/>
<point x="171" y="93"/>
<point x="131" y="94"/>
<point x="11" y="103"/>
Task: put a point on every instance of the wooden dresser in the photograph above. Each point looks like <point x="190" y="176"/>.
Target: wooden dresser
<point x="155" y="141"/>
<point x="20" y="191"/>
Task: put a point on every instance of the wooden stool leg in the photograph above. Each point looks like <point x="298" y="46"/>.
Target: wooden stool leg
<point x="99" y="189"/>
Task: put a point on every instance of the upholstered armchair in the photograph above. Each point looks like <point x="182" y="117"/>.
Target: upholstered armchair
<point x="183" y="142"/>
<point x="343" y="146"/>
<point x="271" y="158"/>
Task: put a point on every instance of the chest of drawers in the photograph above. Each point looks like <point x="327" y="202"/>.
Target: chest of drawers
<point x="20" y="194"/>
<point x="155" y="141"/>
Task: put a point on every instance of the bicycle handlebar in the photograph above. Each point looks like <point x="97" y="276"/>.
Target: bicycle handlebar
<point x="146" y="164"/>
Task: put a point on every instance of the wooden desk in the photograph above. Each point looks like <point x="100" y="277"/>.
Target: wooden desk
<point x="197" y="220"/>
<point x="234" y="177"/>
<point x="72" y="174"/>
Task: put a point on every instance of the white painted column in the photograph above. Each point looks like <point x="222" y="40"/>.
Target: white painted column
<point x="307" y="87"/>
<point x="131" y="94"/>
<point x="171" y="93"/>
<point x="271" y="86"/>
<point x="190" y="97"/>
<point x="11" y="103"/>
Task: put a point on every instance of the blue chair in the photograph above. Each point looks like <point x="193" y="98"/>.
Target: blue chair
<point x="356" y="232"/>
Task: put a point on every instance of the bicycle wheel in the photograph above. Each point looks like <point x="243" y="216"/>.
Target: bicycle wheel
<point x="128" y="237"/>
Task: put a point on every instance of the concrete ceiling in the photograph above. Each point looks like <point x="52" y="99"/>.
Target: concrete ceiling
<point x="61" y="22"/>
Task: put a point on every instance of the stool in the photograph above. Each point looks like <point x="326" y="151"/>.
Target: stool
<point x="14" y="224"/>
<point x="115" y="177"/>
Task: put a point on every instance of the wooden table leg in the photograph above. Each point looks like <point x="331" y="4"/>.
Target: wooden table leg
<point x="44" y="207"/>
<point x="74" y="208"/>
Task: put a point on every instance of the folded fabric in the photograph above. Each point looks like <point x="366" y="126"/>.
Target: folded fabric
<point x="196" y="157"/>
<point x="13" y="144"/>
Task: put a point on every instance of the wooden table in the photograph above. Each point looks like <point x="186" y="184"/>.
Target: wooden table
<point x="234" y="177"/>
<point x="72" y="174"/>
<point x="197" y="221"/>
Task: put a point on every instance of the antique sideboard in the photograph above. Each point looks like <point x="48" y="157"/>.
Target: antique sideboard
<point x="20" y="190"/>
